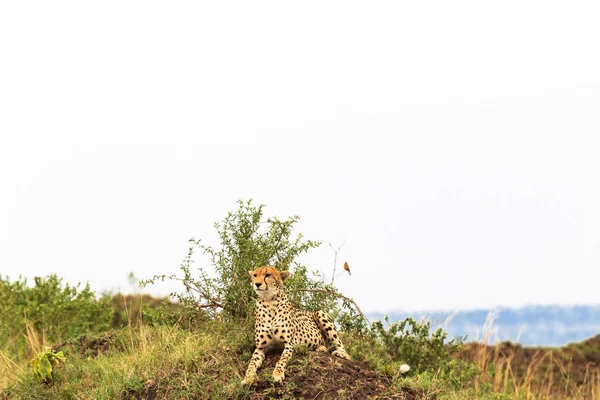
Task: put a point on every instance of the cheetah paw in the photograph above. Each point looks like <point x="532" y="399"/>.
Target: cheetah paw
<point x="341" y="354"/>
<point x="249" y="379"/>
<point x="278" y="377"/>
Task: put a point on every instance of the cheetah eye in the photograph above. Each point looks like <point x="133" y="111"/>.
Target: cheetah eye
<point x="267" y="275"/>
<point x="255" y="275"/>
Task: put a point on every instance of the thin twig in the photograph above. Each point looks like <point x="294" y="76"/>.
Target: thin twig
<point x="335" y="253"/>
<point x="202" y="293"/>
<point x="211" y="305"/>
<point x="329" y="291"/>
<point x="334" y="262"/>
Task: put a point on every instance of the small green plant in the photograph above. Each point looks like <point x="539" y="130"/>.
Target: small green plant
<point x="42" y="364"/>
<point x="411" y="342"/>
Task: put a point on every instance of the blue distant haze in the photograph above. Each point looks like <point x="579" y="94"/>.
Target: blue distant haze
<point x="532" y="326"/>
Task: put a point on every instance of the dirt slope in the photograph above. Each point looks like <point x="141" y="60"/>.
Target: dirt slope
<point x="319" y="375"/>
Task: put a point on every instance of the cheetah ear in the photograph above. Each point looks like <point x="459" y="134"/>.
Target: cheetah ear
<point x="284" y="275"/>
<point x="250" y="273"/>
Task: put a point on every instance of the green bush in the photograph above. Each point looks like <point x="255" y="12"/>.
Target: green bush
<point x="247" y="241"/>
<point x="54" y="310"/>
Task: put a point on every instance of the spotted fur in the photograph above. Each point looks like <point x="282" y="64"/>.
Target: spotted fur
<point x="278" y="322"/>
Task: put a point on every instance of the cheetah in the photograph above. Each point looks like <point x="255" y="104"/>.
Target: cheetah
<point x="278" y="322"/>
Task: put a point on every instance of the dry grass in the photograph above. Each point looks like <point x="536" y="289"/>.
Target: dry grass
<point x="9" y="369"/>
<point x="530" y="373"/>
<point x="140" y="362"/>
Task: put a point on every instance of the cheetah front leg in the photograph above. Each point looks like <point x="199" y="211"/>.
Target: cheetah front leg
<point x="257" y="359"/>
<point x="327" y="327"/>
<point x="279" y="372"/>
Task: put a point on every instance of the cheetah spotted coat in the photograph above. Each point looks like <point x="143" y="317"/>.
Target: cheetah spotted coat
<point x="278" y="322"/>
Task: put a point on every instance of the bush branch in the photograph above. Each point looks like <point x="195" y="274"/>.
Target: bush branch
<point x="336" y="294"/>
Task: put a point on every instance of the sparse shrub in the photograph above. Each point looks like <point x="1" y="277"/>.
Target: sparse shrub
<point x="412" y="342"/>
<point x="133" y="309"/>
<point x="169" y="313"/>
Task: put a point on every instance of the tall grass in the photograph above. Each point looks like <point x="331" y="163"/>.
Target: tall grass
<point x="528" y="373"/>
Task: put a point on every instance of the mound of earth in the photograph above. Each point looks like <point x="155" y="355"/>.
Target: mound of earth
<point x="576" y="360"/>
<point x="319" y="375"/>
<point x="89" y="346"/>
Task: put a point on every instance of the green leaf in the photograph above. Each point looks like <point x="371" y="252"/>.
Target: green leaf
<point x="45" y="369"/>
<point x="60" y="355"/>
<point x="34" y="364"/>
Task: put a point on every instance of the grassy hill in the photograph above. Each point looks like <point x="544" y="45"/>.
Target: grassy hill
<point x="207" y="362"/>
<point x="178" y="354"/>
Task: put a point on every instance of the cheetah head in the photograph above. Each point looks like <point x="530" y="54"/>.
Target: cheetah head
<point x="267" y="282"/>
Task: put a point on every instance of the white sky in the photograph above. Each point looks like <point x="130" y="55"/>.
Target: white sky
<point x="452" y="145"/>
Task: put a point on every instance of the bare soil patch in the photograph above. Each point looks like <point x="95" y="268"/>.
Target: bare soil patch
<point x="321" y="376"/>
<point x="90" y="346"/>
